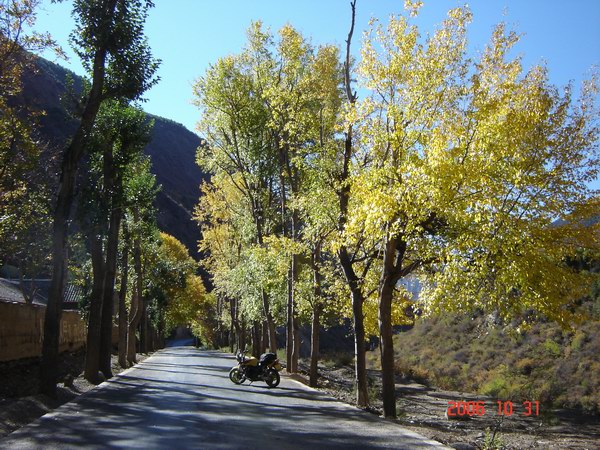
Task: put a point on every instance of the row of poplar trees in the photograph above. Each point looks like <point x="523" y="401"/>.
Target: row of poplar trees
<point x="437" y="165"/>
<point x="114" y="193"/>
<point x="109" y="40"/>
<point x="116" y="251"/>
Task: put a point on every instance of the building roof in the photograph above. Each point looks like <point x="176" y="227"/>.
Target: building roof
<point x="10" y="291"/>
<point x="72" y="296"/>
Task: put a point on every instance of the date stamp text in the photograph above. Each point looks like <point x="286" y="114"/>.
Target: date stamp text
<point x="502" y="408"/>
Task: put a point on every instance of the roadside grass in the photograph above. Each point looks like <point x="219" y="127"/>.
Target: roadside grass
<point x="336" y="360"/>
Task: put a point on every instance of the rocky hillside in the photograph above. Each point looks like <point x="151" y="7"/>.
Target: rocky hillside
<point x="173" y="148"/>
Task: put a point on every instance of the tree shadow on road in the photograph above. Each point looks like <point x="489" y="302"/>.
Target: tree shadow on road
<point x="138" y="410"/>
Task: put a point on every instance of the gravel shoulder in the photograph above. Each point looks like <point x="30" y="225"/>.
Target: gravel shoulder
<point x="422" y="409"/>
<point x="20" y="402"/>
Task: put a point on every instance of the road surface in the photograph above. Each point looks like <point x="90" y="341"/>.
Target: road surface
<point x="181" y="398"/>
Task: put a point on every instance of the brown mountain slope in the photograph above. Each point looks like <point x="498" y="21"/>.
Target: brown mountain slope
<point x="172" y="149"/>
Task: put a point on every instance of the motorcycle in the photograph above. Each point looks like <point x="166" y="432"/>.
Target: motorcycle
<point x="250" y="368"/>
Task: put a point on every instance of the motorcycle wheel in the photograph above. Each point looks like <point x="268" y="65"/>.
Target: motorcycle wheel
<point x="236" y="376"/>
<point x="272" y="378"/>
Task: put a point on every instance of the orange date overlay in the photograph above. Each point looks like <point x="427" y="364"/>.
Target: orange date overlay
<point x="478" y="408"/>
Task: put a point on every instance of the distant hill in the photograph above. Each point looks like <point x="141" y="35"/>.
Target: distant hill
<point x="172" y="149"/>
<point x="587" y="223"/>
<point x="173" y="153"/>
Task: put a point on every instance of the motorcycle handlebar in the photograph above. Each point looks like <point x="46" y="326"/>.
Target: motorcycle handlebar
<point x="241" y="355"/>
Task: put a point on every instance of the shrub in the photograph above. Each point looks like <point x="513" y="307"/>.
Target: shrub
<point x="552" y="348"/>
<point x="578" y="340"/>
<point x="548" y="393"/>
<point x="590" y="404"/>
<point x="454" y="370"/>
<point x="462" y="356"/>
<point x="525" y="366"/>
<point x="497" y="387"/>
<point x="337" y="359"/>
<point x="492" y="440"/>
<point x="374" y="392"/>
<point x="504" y="384"/>
<point x="374" y="360"/>
<point x="412" y="372"/>
<point x="345" y="359"/>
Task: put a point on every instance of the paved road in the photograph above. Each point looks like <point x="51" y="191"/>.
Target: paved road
<point x="182" y="398"/>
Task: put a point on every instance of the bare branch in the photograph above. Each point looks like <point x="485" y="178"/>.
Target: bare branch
<point x="351" y="96"/>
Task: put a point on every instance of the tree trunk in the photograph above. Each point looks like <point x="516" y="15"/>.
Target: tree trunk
<point x="393" y="255"/>
<point x="235" y="327"/>
<point x="264" y="341"/>
<point x="289" y="329"/>
<point x="316" y="316"/>
<point x="314" y="345"/>
<point x="108" y="307"/>
<point x="123" y="321"/>
<point x="259" y="219"/>
<point x="256" y="339"/>
<point x="92" y="355"/>
<point x="242" y="339"/>
<point x="297" y="344"/>
<point x="135" y="316"/>
<point x="294" y="314"/>
<point x="160" y="333"/>
<point x="271" y="335"/>
<point x="387" y="350"/>
<point x="150" y="335"/>
<point x="137" y="299"/>
<point x="294" y="234"/>
<point x="49" y="363"/>
<point x="113" y="189"/>
<point x="123" y="317"/>
<point x="151" y="338"/>
<point x="362" y="393"/>
<point x="144" y="329"/>
<point x="289" y="326"/>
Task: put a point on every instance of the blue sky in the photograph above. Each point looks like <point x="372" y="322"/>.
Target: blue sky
<point x="188" y="35"/>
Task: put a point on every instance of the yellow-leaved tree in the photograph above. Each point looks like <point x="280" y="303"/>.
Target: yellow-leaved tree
<point x="265" y="113"/>
<point x="187" y="302"/>
<point x="465" y="166"/>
